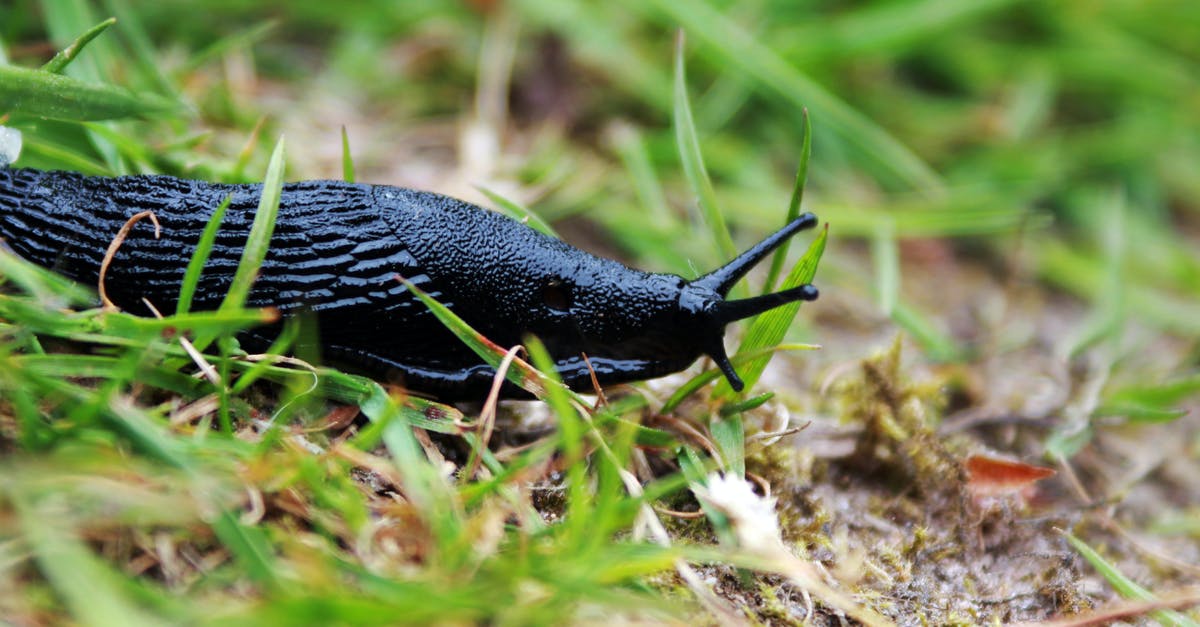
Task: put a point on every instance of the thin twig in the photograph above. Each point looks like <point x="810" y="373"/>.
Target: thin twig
<point x="112" y="251"/>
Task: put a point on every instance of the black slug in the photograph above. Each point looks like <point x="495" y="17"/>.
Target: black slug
<point x="337" y="248"/>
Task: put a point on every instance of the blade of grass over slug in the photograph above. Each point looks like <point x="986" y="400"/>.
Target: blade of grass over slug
<point x="136" y="328"/>
<point x="693" y="161"/>
<point x="769" y="328"/>
<point x="518" y="212"/>
<point x="347" y="159"/>
<point x="191" y="277"/>
<point x="50" y="289"/>
<point x="259" y="240"/>
<point x="520" y="374"/>
<point x="780" y="256"/>
<point x="47" y="95"/>
<point x="1125" y="586"/>
<point x="65" y="56"/>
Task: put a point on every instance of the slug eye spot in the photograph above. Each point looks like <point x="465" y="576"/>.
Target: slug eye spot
<point x="556" y="293"/>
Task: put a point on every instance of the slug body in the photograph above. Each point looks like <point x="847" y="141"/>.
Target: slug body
<point x="337" y="249"/>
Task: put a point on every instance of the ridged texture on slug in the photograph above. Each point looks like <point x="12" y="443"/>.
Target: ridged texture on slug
<point x="336" y="251"/>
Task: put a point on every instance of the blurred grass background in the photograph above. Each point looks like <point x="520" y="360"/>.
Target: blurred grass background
<point x="1011" y="184"/>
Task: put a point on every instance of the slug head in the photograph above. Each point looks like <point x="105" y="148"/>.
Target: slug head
<point x="635" y="325"/>
<point x="702" y="301"/>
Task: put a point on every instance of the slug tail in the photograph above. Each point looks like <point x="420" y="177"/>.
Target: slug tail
<point x="722" y="279"/>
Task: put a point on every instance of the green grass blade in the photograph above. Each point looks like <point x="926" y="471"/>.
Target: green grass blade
<point x="55" y="96"/>
<point x="143" y="53"/>
<point x="90" y="588"/>
<point x="693" y="162"/>
<point x="47" y="288"/>
<point x="692" y="467"/>
<point x="733" y="47"/>
<point x="64" y="20"/>
<point x="259" y="240"/>
<point x="38" y="151"/>
<point x="571" y="435"/>
<point x="235" y="40"/>
<point x="250" y="546"/>
<point x="938" y="345"/>
<point x="191" y="276"/>
<point x="886" y="256"/>
<point x="1125" y="586"/>
<point x="729" y="435"/>
<point x="65" y="56"/>
<point x="780" y="256"/>
<point x="769" y="328"/>
<point x="1150" y="403"/>
<point x="423" y="484"/>
<point x="347" y="158"/>
<point x="62" y="365"/>
<point x="518" y="212"/>
<point x="521" y="373"/>
<point x="139" y="329"/>
<point x="712" y="374"/>
<point x="1139" y="412"/>
<point x="631" y="148"/>
<point x="740" y="407"/>
<point x="887" y="27"/>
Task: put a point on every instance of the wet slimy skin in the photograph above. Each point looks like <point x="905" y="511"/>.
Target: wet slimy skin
<point x="337" y="249"/>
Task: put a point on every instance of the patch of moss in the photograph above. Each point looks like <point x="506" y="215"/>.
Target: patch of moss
<point x="899" y="440"/>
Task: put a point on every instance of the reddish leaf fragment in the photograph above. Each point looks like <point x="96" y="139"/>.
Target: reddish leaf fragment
<point x="992" y="476"/>
<point x="339" y="417"/>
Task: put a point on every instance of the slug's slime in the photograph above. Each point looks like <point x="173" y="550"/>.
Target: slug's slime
<point x="337" y="249"/>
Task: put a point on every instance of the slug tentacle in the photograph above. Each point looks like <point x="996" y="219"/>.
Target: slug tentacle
<point x="703" y="300"/>
<point x="722" y="279"/>
<point x="336" y="249"/>
<point x="731" y="310"/>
